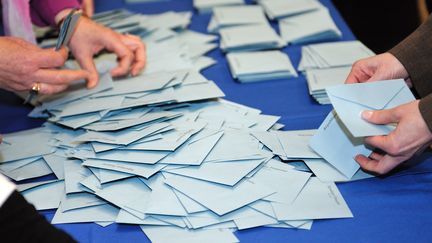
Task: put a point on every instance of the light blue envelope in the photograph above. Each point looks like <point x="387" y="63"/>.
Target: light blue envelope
<point x="105" y="212"/>
<point x="36" y="193"/>
<point x="350" y="100"/>
<point x="226" y="173"/>
<point x="317" y="200"/>
<point x="168" y="234"/>
<point x="218" y="198"/>
<point x="336" y="145"/>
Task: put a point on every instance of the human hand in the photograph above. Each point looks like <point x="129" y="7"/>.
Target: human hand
<point x="411" y="135"/>
<point x="87" y="7"/>
<point x="381" y="67"/>
<point x="90" y="38"/>
<point x="23" y="64"/>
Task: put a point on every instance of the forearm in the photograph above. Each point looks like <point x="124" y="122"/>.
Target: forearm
<point x="415" y="53"/>
<point x="50" y="12"/>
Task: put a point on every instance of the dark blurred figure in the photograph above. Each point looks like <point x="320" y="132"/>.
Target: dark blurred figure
<point x="384" y="23"/>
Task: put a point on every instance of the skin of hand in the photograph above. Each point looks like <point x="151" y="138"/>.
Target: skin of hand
<point x="87" y="7"/>
<point x="411" y="136"/>
<point x="380" y="67"/>
<point x="91" y="38"/>
<point x="23" y="64"/>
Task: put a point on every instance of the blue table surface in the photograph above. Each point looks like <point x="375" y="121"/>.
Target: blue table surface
<point x="396" y="208"/>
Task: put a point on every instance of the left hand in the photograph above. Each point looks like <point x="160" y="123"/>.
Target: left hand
<point x="411" y="135"/>
<point x="90" y="38"/>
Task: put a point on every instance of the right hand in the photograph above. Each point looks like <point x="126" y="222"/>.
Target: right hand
<point x="23" y="64"/>
<point x="381" y="67"/>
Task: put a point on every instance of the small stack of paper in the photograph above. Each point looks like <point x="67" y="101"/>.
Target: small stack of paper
<point x="250" y="38"/>
<point x="309" y="27"/>
<point x="340" y="137"/>
<point x="320" y="79"/>
<point x="235" y="16"/>
<point x="259" y="66"/>
<point x="204" y="6"/>
<point x="334" y="54"/>
<point x="277" y="9"/>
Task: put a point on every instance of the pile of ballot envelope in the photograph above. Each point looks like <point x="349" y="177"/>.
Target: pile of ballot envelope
<point x="164" y="151"/>
<point x="328" y="64"/>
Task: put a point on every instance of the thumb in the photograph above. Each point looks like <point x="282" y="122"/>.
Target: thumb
<point x="380" y="116"/>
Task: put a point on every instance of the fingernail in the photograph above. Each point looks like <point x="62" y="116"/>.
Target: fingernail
<point x="367" y="115"/>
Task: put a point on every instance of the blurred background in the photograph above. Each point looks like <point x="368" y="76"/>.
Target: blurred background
<point x="382" y="24"/>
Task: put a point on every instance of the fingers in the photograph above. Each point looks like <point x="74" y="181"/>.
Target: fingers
<point x="138" y="47"/>
<point x="382" y="166"/>
<point x="48" y="89"/>
<point x="88" y="7"/>
<point x="59" y="77"/>
<point x="49" y="58"/>
<point x="86" y="62"/>
<point x="381" y="116"/>
<point x="352" y="79"/>
<point x="124" y="55"/>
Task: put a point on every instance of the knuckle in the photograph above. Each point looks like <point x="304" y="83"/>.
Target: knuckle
<point x="394" y="148"/>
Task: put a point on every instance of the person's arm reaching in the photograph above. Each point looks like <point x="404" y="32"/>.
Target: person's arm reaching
<point x="415" y="54"/>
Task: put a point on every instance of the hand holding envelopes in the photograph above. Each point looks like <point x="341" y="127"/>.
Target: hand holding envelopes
<point x="349" y="101"/>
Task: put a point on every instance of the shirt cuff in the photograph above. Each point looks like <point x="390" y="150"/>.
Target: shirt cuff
<point x="6" y="189"/>
<point x="46" y="10"/>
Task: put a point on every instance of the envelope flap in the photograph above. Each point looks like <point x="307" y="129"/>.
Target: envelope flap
<point x="375" y="95"/>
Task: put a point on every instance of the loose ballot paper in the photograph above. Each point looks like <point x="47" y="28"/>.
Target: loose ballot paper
<point x="261" y="65"/>
<point x="340" y="137"/>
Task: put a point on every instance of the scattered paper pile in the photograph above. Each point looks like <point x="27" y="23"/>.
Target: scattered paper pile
<point x="163" y="151"/>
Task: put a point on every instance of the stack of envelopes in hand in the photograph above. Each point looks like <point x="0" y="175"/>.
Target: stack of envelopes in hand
<point x="259" y="66"/>
<point x="313" y="26"/>
<point x="208" y="5"/>
<point x="341" y="136"/>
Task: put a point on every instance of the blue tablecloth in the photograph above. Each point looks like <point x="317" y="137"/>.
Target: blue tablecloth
<point x="397" y="208"/>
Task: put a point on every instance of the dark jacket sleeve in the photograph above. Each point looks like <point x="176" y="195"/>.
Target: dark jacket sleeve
<point x="415" y="54"/>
